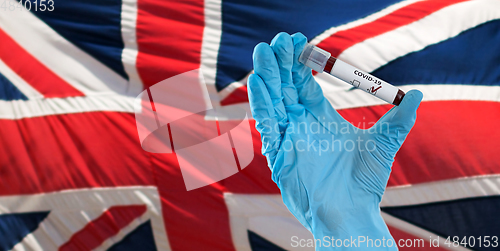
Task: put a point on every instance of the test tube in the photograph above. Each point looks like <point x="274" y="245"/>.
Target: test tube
<point x="321" y="60"/>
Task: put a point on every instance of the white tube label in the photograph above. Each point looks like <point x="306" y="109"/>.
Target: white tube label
<point x="364" y="81"/>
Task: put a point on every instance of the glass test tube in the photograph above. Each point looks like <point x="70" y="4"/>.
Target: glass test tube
<point x="321" y="60"/>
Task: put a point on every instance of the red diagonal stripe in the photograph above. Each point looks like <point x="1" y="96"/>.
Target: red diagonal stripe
<point x="33" y="71"/>
<point x="239" y="95"/>
<point x="342" y="40"/>
<point x="104" y="227"/>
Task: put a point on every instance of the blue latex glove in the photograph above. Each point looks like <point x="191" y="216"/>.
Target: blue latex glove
<point x="331" y="175"/>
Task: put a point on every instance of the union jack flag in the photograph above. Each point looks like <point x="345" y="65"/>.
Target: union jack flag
<point x="73" y="173"/>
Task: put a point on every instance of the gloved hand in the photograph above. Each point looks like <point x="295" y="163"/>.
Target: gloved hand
<point x="331" y="174"/>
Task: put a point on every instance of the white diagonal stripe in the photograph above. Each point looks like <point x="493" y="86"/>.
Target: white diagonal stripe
<point x="418" y="232"/>
<point x="24" y="87"/>
<point x="69" y="62"/>
<point x="71" y="210"/>
<point x="384" y="12"/>
<point x="56" y="229"/>
<point x="265" y="215"/>
<point x="439" y="26"/>
<point x="123" y="232"/>
<point x="446" y="190"/>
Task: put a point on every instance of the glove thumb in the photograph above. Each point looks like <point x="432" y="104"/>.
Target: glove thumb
<point x="395" y="125"/>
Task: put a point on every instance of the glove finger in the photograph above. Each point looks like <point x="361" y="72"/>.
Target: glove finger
<point x="266" y="66"/>
<point x="264" y="114"/>
<point x="395" y="125"/>
<point x="282" y="46"/>
<point x="309" y="91"/>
